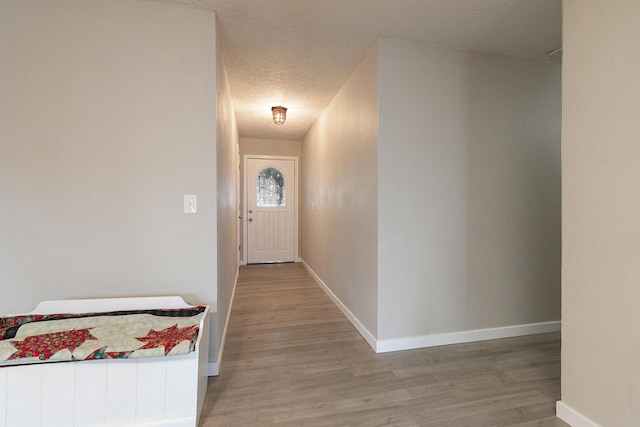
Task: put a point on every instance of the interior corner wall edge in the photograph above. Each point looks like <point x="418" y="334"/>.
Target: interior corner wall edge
<point x="102" y="131"/>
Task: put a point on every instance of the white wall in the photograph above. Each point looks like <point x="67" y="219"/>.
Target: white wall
<point x="436" y="207"/>
<point x="227" y="198"/>
<point x="339" y="194"/>
<point x="107" y="119"/>
<point x="601" y="211"/>
<point x="469" y="191"/>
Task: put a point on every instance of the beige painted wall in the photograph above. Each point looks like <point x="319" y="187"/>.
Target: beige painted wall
<point x="442" y="212"/>
<point x="601" y="211"/>
<point x="107" y="119"/>
<point x="268" y="147"/>
<point x="469" y="191"/>
<point x="339" y="194"/>
<point x="227" y="197"/>
<point x="275" y="147"/>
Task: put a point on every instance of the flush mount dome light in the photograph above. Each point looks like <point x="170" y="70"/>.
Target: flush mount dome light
<point x="279" y="115"/>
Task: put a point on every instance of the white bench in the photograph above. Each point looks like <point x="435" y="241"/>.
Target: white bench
<point x="158" y="391"/>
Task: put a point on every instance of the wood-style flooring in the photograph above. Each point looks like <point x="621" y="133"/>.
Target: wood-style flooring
<point x="292" y="359"/>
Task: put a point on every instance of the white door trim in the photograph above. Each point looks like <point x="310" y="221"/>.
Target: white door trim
<point x="245" y="199"/>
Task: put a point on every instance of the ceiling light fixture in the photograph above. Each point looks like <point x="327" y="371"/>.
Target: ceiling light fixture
<point x="279" y="115"/>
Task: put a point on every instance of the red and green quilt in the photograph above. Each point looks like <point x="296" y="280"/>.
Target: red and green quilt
<point x="109" y="335"/>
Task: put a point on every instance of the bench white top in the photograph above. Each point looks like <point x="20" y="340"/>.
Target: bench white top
<point x="109" y="304"/>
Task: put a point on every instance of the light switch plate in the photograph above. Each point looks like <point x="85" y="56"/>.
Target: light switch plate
<point x="190" y="203"/>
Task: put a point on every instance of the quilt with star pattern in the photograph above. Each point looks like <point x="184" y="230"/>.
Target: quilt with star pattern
<point x="37" y="338"/>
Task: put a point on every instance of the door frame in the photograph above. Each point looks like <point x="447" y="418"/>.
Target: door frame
<point x="245" y="202"/>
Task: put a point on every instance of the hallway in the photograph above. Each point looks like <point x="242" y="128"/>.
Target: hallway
<point x="292" y="358"/>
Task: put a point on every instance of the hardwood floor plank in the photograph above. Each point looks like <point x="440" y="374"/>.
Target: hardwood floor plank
<point x="293" y="359"/>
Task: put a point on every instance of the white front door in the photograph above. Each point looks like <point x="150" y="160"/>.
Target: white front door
<point x="270" y="210"/>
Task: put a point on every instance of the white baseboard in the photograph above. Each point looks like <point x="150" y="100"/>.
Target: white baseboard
<point x="408" y="343"/>
<point x="369" y="338"/>
<point x="214" y="367"/>
<point x="434" y="340"/>
<point x="572" y="417"/>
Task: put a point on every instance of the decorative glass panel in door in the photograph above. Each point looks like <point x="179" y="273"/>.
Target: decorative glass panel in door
<point x="270" y="188"/>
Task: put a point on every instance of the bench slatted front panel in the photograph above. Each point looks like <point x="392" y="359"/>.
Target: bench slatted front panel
<point x="100" y="393"/>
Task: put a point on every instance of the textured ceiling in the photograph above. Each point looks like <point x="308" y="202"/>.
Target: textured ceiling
<point x="298" y="53"/>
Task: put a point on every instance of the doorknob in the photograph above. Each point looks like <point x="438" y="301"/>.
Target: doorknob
<point x="250" y="219"/>
<point x="250" y="211"/>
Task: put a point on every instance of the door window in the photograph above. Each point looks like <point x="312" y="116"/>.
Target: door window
<point x="270" y="188"/>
